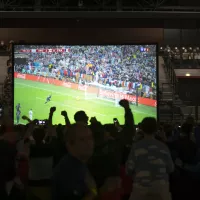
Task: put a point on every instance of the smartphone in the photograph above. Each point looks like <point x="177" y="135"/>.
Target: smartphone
<point x="115" y="120"/>
<point x="41" y="122"/>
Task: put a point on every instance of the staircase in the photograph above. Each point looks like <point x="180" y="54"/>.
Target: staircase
<point x="169" y="108"/>
<point x="164" y="83"/>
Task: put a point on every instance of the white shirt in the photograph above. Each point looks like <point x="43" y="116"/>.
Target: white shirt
<point x="30" y="113"/>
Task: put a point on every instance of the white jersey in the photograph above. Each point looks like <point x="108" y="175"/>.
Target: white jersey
<point x="30" y="114"/>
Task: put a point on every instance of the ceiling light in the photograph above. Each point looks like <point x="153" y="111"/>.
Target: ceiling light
<point x="190" y="48"/>
<point x="187" y="74"/>
<point x="176" y="48"/>
<point x="183" y="47"/>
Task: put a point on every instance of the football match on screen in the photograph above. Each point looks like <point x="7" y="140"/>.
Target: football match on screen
<point x="92" y="78"/>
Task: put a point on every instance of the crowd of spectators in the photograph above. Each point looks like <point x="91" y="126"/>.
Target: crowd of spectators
<point x="126" y="66"/>
<point x="80" y="161"/>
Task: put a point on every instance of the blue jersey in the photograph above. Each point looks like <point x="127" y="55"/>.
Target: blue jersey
<point x="18" y="113"/>
<point x="48" y="98"/>
<point x="18" y="106"/>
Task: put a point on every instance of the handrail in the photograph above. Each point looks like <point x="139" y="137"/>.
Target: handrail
<point x="171" y="73"/>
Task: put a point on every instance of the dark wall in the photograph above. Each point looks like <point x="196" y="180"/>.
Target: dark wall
<point x="189" y="90"/>
<point x="181" y="37"/>
<point x="83" y="35"/>
<point x="103" y="35"/>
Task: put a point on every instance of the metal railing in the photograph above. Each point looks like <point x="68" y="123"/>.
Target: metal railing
<point x="169" y="68"/>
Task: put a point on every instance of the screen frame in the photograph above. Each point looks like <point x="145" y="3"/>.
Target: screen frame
<point x="90" y="44"/>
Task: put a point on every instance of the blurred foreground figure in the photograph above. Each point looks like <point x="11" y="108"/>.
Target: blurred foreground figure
<point x="150" y="164"/>
<point x="71" y="179"/>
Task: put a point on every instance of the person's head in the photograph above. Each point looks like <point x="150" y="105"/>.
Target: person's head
<point x="81" y="117"/>
<point x="149" y="125"/>
<point x="140" y="126"/>
<point x="79" y="142"/>
<point x="39" y="134"/>
<point x="186" y="129"/>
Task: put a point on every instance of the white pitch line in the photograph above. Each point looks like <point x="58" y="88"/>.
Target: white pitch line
<point x="70" y="106"/>
<point x="60" y="93"/>
<point x="52" y="91"/>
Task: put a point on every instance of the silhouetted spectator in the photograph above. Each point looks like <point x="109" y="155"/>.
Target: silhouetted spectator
<point x="150" y="164"/>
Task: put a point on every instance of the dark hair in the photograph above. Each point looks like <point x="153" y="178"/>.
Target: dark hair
<point x="140" y="125"/>
<point x="39" y="134"/>
<point x="149" y="125"/>
<point x="186" y="128"/>
<point x="80" y="116"/>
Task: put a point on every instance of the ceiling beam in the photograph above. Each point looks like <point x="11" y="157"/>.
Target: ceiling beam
<point x="101" y="15"/>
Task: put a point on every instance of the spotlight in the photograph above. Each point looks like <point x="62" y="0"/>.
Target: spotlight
<point x="187" y="74"/>
<point x="161" y="48"/>
<point x="183" y="48"/>
<point x="176" y="48"/>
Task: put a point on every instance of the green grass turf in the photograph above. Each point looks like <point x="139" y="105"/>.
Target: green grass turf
<point x="32" y="95"/>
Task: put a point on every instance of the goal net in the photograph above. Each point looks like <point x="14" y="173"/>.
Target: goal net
<point x="91" y="91"/>
<point x="102" y="92"/>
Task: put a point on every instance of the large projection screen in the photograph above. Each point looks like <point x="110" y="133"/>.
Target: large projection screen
<point x="92" y="78"/>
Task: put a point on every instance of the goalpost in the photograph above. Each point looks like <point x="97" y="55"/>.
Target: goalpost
<point x="91" y="91"/>
<point x="102" y="92"/>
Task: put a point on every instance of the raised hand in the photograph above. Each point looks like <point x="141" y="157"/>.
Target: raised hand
<point x="52" y="109"/>
<point x="64" y="113"/>
<point x="25" y="117"/>
<point x="124" y="103"/>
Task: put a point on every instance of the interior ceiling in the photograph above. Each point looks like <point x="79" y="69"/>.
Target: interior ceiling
<point x="113" y="2"/>
<point x="95" y="4"/>
<point x="192" y="72"/>
<point x="98" y="2"/>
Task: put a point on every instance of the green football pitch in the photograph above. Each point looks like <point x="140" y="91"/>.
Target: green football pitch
<point x="32" y="95"/>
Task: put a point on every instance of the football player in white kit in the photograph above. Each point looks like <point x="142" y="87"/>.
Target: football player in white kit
<point x="30" y="113"/>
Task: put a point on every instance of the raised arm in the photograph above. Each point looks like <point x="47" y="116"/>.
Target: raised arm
<point x="129" y="126"/>
<point x="26" y="118"/>
<point x="67" y="121"/>
<point x="51" y="131"/>
<point x="29" y="131"/>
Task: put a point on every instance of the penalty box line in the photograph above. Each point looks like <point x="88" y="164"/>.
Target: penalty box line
<point x="60" y="93"/>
